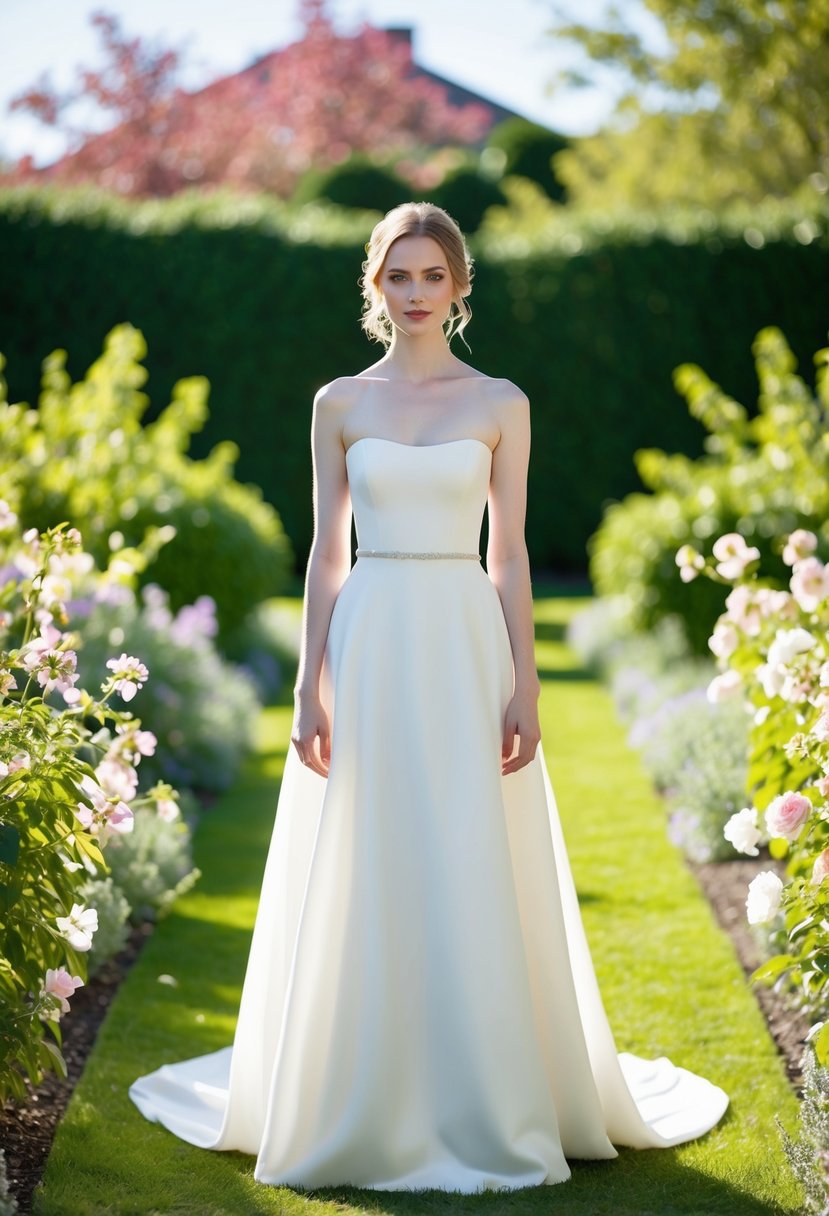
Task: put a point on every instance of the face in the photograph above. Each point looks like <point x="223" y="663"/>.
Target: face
<point x="416" y="284"/>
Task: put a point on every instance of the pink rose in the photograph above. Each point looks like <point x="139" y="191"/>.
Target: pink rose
<point x="821" y="867"/>
<point x="786" y="815"/>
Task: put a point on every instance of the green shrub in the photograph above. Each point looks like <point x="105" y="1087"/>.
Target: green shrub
<point x="201" y="708"/>
<point x="355" y="182"/>
<point x="84" y="455"/>
<point x="113" y="915"/>
<point x="761" y="476"/>
<point x="528" y="150"/>
<point x="153" y="864"/>
<point x="588" y="313"/>
<point x="466" y="194"/>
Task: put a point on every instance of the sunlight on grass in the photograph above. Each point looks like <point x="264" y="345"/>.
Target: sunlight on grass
<point x="671" y="983"/>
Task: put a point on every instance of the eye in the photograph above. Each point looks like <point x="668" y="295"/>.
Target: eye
<point x="437" y="276"/>
<point x="396" y="277"/>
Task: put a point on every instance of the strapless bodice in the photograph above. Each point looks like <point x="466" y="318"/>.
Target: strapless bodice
<point x="419" y="498"/>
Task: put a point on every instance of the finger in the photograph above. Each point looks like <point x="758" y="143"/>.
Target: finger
<point x="508" y="741"/>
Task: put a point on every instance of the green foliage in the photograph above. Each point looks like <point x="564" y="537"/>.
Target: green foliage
<point x="153" y="864"/>
<point x="588" y="314"/>
<point x="527" y="150"/>
<point x="60" y="807"/>
<point x="84" y="455"/>
<point x="358" y="181"/>
<point x="466" y="194"/>
<point x="113" y="915"/>
<point x="201" y="708"/>
<point x="762" y="476"/>
<point x="808" y="1151"/>
<point x="743" y="110"/>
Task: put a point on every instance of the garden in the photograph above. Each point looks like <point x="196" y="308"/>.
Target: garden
<point x="155" y="522"/>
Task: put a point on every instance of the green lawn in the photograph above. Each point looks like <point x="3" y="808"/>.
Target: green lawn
<point x="671" y="982"/>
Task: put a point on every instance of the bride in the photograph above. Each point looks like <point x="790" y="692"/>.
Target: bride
<point x="420" y="1008"/>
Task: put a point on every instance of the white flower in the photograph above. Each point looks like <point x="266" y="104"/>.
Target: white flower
<point x="690" y="562"/>
<point x="129" y="674"/>
<point x="764" y="894"/>
<point x="724" y="640"/>
<point x="801" y="544"/>
<point x="787" y="644"/>
<point x="167" y="809"/>
<point x="733" y="555"/>
<point x="79" y="926"/>
<point x="771" y="678"/>
<point x="743" y="832"/>
<point x="810" y="583"/>
<point x="724" y="686"/>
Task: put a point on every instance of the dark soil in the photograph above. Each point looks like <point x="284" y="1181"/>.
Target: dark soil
<point x="725" y="884"/>
<point x="27" y="1131"/>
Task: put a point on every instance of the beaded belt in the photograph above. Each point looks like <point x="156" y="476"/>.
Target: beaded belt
<point x="405" y="553"/>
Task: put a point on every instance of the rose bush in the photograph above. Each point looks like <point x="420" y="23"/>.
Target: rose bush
<point x="772" y="647"/>
<point x="68" y="786"/>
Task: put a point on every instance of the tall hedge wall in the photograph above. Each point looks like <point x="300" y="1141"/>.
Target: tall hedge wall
<point x="590" y="323"/>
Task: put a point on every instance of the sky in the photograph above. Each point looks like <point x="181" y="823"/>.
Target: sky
<point x="499" y="48"/>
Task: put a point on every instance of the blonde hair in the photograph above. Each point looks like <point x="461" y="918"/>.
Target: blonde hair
<point x="415" y="219"/>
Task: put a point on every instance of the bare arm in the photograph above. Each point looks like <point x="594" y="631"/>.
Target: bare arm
<point x="329" y="562"/>
<point x="509" y="569"/>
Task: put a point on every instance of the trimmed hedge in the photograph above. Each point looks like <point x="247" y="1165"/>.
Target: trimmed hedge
<point x="264" y="302"/>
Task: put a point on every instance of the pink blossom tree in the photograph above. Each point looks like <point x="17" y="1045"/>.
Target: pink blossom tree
<point x="310" y="104"/>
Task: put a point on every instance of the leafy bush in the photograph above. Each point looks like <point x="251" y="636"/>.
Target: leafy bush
<point x="266" y="645"/>
<point x="772" y="645"/>
<point x="200" y="708"/>
<point x="153" y="865"/>
<point x="761" y="476"/>
<point x="588" y="313"/>
<point x="66" y="791"/>
<point x="695" y="751"/>
<point x="466" y="194"/>
<point x="528" y="150"/>
<point x="84" y="455"/>
<point x="808" y="1152"/>
<point x="356" y="182"/>
<point x="113" y="910"/>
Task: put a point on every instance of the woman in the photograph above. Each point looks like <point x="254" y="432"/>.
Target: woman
<point x="420" y="1008"/>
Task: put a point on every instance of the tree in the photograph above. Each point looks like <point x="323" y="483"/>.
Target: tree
<point x="736" y="106"/>
<point x="310" y="104"/>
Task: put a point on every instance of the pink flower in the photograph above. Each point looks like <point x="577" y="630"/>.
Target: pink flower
<point x="105" y="813"/>
<point x="821" y="867"/>
<point x="744" y="611"/>
<point x="810" y="583"/>
<point x="117" y="780"/>
<point x="59" y="983"/>
<point x="786" y="815"/>
<point x="823" y="785"/>
<point x="7" y="682"/>
<point x="7" y="516"/>
<point x="129" y="674"/>
<point x="133" y="743"/>
<point x="733" y="555"/>
<point x="167" y="809"/>
<point x="799" y="546"/>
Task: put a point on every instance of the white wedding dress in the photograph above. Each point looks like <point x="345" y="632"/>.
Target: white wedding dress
<point x="420" y="1007"/>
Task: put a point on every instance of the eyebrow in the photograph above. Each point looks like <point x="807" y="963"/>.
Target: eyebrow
<point x="398" y="270"/>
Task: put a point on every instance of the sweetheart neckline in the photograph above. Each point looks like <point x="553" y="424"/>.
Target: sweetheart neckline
<point x="396" y="442"/>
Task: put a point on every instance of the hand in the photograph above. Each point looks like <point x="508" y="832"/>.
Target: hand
<point x="310" y="721"/>
<point x="520" y="718"/>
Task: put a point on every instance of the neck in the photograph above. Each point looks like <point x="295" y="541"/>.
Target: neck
<point x="417" y="359"/>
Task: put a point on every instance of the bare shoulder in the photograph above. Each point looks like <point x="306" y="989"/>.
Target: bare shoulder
<point x="510" y="408"/>
<point x="503" y="393"/>
<point x="332" y="403"/>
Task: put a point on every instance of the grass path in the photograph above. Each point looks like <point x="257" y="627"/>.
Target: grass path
<point x="669" y="976"/>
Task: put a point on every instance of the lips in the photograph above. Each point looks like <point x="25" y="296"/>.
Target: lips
<point x="417" y="312"/>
